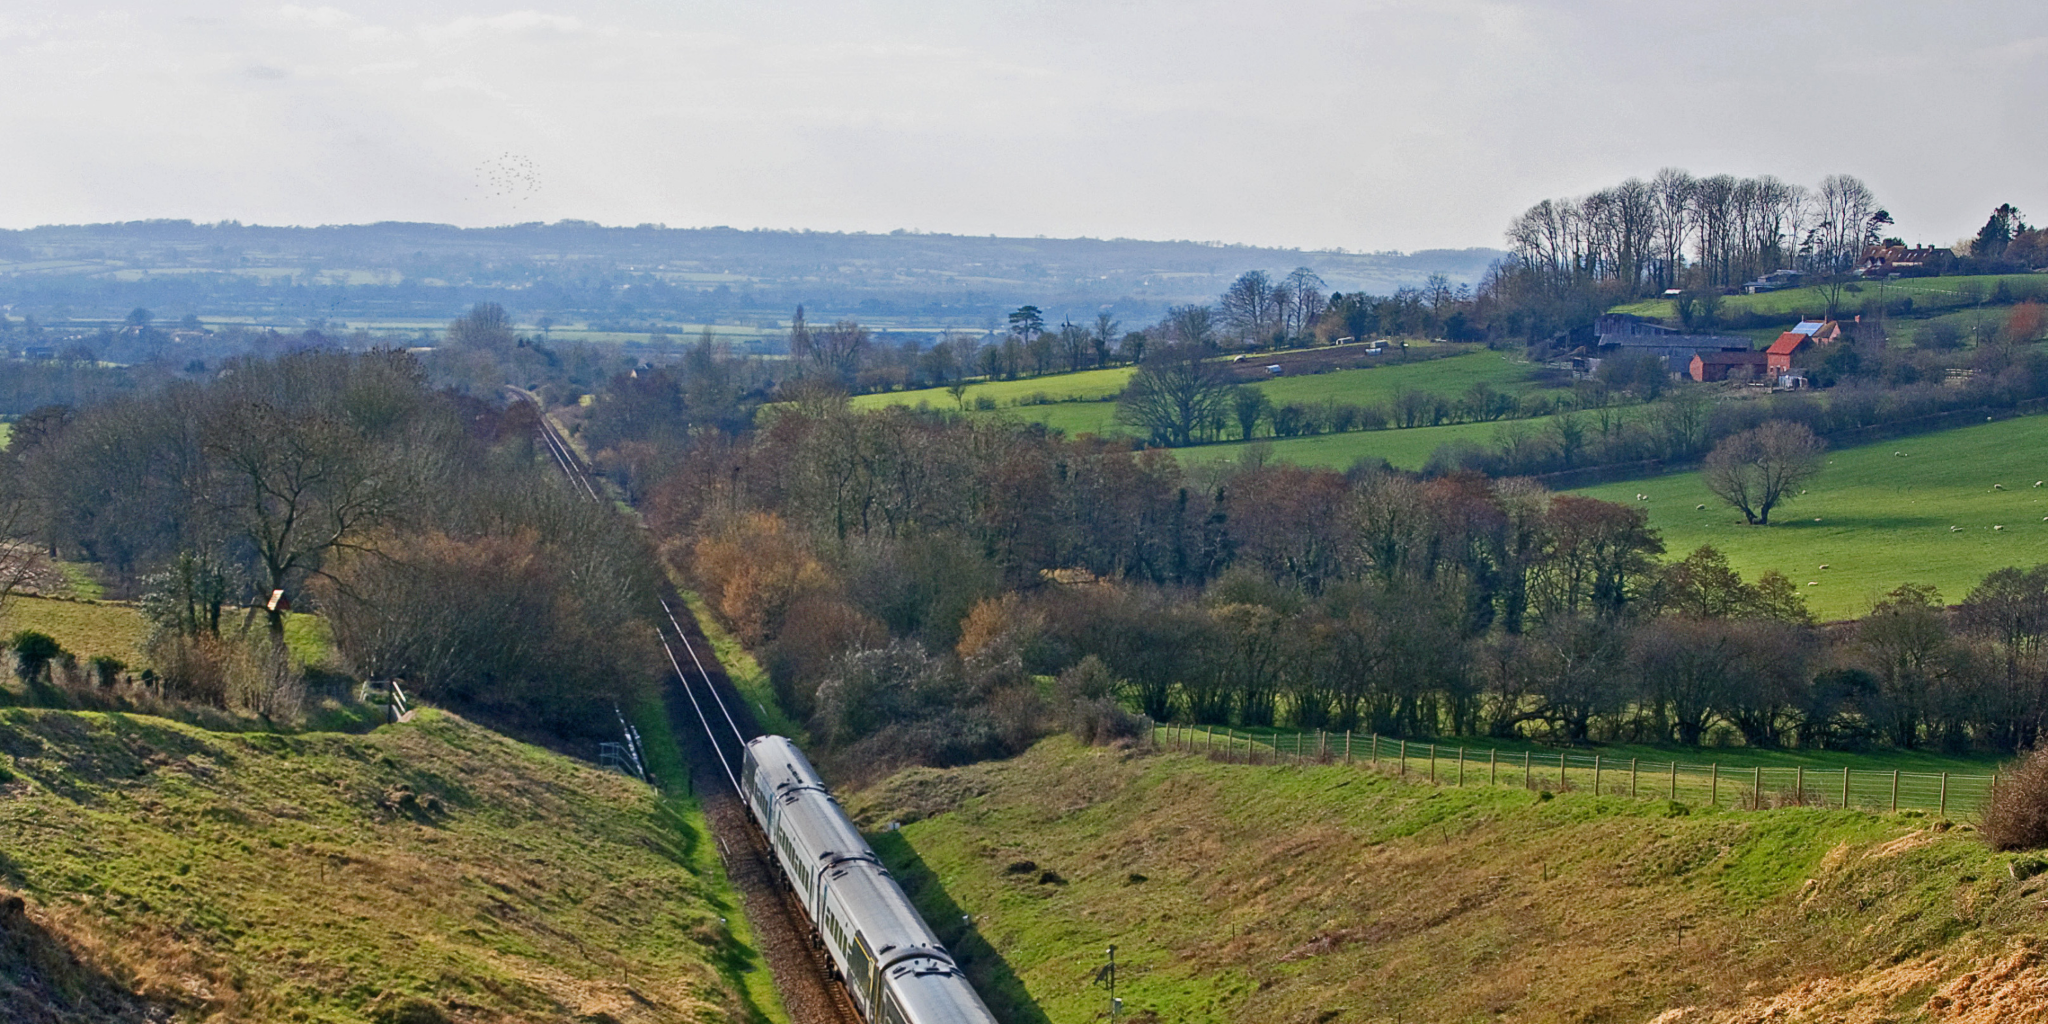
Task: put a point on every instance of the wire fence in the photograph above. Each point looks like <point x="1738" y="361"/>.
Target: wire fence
<point x="1755" y="787"/>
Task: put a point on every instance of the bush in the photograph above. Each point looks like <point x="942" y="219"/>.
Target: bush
<point x="2016" y="816"/>
<point x="33" y="653"/>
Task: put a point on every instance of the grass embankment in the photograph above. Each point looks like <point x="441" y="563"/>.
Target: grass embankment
<point x="426" y="871"/>
<point x="1878" y="519"/>
<point x="1334" y="894"/>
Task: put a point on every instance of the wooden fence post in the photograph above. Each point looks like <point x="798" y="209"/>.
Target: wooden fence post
<point x="1714" y="794"/>
<point x="1944" y="794"/>
<point x="1375" y="750"/>
<point x="1404" y="758"/>
<point x="1492" y="766"/>
<point x="1596" y="774"/>
<point x="1526" y="771"/>
<point x="1759" y="800"/>
<point x="1674" y="778"/>
<point x="1799" y="788"/>
<point x="1895" y="791"/>
<point x="1461" y="766"/>
<point x="1845" y="787"/>
<point x="1561" y="771"/>
<point x="1432" y="764"/>
<point x="1632" y="791"/>
<point x="1347" y="746"/>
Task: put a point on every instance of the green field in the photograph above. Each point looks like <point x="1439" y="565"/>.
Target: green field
<point x="1794" y="302"/>
<point x="1242" y="894"/>
<point x="87" y="628"/>
<point x="1078" y="406"/>
<point x="1084" y="386"/>
<point x="1405" y="449"/>
<point x="431" y="871"/>
<point x="1876" y="519"/>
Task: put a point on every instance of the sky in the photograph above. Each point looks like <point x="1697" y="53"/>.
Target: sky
<point x="1366" y="125"/>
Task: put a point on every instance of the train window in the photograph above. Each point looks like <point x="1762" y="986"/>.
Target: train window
<point x="891" y="1012"/>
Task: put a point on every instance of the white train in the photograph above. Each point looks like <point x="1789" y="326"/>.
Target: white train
<point x="895" y="968"/>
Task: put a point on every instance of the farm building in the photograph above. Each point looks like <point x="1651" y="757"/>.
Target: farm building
<point x="1776" y="280"/>
<point x="1807" y="334"/>
<point x="1616" y="334"/>
<point x="1715" y="366"/>
<point x="1904" y="260"/>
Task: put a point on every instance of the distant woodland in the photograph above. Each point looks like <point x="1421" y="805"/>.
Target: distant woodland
<point x="925" y="584"/>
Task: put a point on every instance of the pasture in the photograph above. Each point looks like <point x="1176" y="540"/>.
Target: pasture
<point x="1876" y="519"/>
<point x="1924" y="291"/>
<point x="1404" y="449"/>
<point x="1080" y="403"/>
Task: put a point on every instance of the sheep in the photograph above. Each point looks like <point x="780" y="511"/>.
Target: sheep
<point x="2038" y="483"/>
<point x="1998" y="527"/>
<point x="1702" y="506"/>
<point x="1958" y="529"/>
<point x="1813" y="583"/>
<point x="1998" y="487"/>
<point x="1823" y="565"/>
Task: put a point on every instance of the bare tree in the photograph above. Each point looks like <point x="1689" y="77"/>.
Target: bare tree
<point x="1176" y="394"/>
<point x="1759" y="469"/>
<point x="1251" y="307"/>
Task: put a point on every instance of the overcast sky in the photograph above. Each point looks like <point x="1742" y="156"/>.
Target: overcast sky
<point x="1366" y="125"/>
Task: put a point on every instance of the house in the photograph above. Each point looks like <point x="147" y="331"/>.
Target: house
<point x="1806" y="335"/>
<point x="1904" y="260"/>
<point x="1776" y="280"/>
<point x="1713" y="366"/>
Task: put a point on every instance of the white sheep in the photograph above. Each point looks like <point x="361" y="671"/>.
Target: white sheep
<point x="1958" y="529"/>
<point x="1700" y="506"/>
<point x="1998" y="527"/>
<point x="1998" y="487"/>
<point x="1823" y="565"/>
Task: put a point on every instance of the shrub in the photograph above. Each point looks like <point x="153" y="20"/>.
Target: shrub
<point x="2016" y="816"/>
<point x="33" y="653"/>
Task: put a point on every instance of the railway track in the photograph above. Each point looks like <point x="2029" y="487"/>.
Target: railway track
<point x="711" y="723"/>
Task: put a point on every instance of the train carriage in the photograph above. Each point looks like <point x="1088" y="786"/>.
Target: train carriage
<point x="894" y="967"/>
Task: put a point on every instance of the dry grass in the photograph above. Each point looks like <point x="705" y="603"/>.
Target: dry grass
<point x="1327" y="894"/>
<point x="326" y="877"/>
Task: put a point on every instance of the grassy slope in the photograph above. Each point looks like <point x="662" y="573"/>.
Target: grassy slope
<point x="1883" y="519"/>
<point x="264" y="877"/>
<point x="1078" y="406"/>
<point x="1793" y="302"/>
<point x="1333" y="894"/>
<point x="86" y="628"/>
<point x="1407" y="449"/>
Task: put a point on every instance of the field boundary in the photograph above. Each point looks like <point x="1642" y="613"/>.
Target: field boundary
<point x="1713" y="784"/>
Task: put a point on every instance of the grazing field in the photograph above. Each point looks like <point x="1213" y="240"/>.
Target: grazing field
<point x="1405" y="449"/>
<point x="1795" y="302"/>
<point x="84" y="628"/>
<point x="1930" y="514"/>
<point x="118" y="630"/>
<point x="428" y="871"/>
<point x="1331" y="893"/>
<point x="1448" y="377"/>
<point x="1078" y="404"/>
<point x="1087" y="385"/>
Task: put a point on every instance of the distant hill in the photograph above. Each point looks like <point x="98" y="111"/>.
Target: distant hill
<point x="643" y="277"/>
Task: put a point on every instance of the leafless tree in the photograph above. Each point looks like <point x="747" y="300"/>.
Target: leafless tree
<point x="1176" y="394"/>
<point x="1251" y="307"/>
<point x="1759" y="469"/>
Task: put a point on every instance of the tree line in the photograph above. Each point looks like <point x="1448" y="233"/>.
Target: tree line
<point x="420" y="522"/>
<point x="934" y="565"/>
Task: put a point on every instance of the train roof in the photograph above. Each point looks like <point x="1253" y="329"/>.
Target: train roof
<point x="933" y="991"/>
<point x="783" y="764"/>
